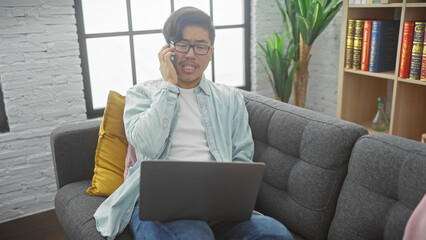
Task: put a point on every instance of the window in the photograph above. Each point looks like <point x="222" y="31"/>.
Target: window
<point x="119" y="41"/>
<point x="4" y="126"/>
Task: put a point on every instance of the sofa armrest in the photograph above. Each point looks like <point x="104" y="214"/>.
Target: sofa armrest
<point x="73" y="150"/>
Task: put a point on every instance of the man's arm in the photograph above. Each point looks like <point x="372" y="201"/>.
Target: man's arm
<point x="147" y="120"/>
<point x="242" y="140"/>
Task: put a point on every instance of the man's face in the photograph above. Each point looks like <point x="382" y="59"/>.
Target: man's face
<point x="190" y="66"/>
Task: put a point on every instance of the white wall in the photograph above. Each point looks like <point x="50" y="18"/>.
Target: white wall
<point x="323" y="67"/>
<point x="42" y="85"/>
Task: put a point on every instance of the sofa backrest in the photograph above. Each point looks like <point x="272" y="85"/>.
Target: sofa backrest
<point x="73" y="151"/>
<point x="306" y="156"/>
<point x="385" y="182"/>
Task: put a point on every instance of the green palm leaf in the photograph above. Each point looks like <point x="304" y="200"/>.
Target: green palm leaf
<point x="276" y="63"/>
<point x="317" y="17"/>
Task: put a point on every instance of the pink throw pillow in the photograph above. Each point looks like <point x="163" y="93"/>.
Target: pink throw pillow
<point x="416" y="225"/>
<point x="130" y="160"/>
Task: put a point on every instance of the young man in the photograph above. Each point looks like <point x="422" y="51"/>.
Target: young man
<point x="183" y="116"/>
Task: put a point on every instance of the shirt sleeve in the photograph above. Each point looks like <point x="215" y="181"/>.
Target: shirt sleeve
<point x="147" y="117"/>
<point x="242" y="140"/>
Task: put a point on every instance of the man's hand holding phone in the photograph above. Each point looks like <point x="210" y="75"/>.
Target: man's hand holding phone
<point x="167" y="68"/>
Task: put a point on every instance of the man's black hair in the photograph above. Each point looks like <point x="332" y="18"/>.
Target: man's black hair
<point x="187" y="16"/>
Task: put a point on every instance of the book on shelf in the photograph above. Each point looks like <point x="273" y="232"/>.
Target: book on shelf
<point x="417" y="50"/>
<point x="423" y="68"/>
<point x="359" y="31"/>
<point x="366" y="40"/>
<point x="406" y="47"/>
<point x="383" y="48"/>
<point x="349" y="43"/>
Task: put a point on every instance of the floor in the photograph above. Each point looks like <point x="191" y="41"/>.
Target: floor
<point x="42" y="226"/>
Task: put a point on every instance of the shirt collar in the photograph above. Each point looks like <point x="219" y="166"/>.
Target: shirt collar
<point x="204" y="85"/>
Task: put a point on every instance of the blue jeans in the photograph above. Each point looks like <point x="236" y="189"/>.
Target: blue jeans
<point x="258" y="227"/>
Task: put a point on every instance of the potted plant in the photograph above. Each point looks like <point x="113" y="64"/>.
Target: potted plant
<point x="278" y="60"/>
<point x="304" y="21"/>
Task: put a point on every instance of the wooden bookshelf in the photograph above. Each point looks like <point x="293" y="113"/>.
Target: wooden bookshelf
<point x="358" y="90"/>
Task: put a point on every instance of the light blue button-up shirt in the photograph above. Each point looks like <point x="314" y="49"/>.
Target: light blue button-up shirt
<point x="150" y="117"/>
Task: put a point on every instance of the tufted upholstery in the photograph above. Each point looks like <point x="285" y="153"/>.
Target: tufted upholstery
<point x="306" y="156"/>
<point x="386" y="180"/>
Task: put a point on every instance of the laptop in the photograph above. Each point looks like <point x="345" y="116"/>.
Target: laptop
<point x="209" y="191"/>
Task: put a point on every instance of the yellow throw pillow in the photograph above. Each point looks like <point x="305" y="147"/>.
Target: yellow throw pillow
<point x="111" y="150"/>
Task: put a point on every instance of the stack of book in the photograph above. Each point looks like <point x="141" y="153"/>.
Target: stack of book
<point x="413" y="54"/>
<point x="371" y="45"/>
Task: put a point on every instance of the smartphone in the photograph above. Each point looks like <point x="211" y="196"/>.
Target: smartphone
<point x="172" y="58"/>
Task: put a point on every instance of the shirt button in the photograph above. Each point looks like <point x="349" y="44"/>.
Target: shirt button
<point x="129" y="211"/>
<point x="179" y="113"/>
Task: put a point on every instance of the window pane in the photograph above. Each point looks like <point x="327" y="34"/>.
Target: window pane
<point x="152" y="15"/>
<point x="229" y="56"/>
<point x="203" y="5"/>
<point x="226" y="12"/>
<point x="109" y="67"/>
<point x="208" y="73"/>
<point x="146" y="54"/>
<point x="102" y="16"/>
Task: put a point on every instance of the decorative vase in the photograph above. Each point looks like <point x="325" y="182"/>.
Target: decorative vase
<point x="380" y="122"/>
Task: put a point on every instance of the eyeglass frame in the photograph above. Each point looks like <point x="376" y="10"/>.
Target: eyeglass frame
<point x="193" y="48"/>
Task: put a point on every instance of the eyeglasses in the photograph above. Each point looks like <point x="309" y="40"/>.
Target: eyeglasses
<point x="199" y="49"/>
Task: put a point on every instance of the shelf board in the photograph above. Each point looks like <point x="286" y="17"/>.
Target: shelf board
<point x="412" y="81"/>
<point x="423" y="4"/>
<point x="367" y="125"/>
<point x="377" y="5"/>
<point x="385" y="75"/>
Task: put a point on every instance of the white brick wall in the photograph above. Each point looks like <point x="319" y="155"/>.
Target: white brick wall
<point x="323" y="67"/>
<point x="42" y="85"/>
<point x="265" y="19"/>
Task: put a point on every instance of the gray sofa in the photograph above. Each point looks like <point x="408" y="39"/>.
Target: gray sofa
<point x="325" y="178"/>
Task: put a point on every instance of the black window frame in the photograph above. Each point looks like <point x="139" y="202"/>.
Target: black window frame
<point x="94" y="113"/>
<point x="4" y="124"/>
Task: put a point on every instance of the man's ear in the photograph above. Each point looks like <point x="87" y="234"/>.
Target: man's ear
<point x="212" y="50"/>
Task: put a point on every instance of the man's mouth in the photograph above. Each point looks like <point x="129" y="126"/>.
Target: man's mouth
<point x="188" y="68"/>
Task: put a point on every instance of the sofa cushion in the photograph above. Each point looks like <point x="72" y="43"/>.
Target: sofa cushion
<point x="74" y="210"/>
<point x="386" y="180"/>
<point x="111" y="150"/>
<point x="306" y="156"/>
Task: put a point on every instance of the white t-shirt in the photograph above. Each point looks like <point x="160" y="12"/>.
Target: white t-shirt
<point x="189" y="142"/>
